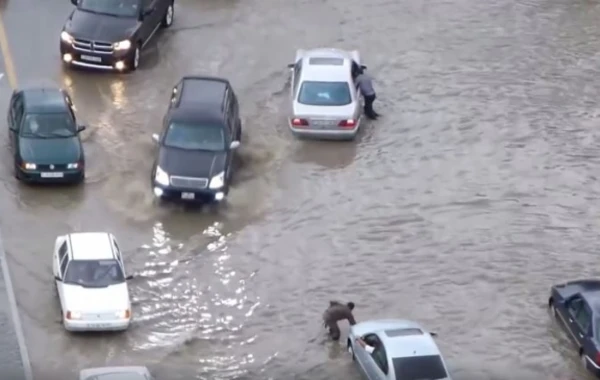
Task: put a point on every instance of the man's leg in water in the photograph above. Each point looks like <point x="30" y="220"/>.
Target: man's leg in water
<point x="334" y="330"/>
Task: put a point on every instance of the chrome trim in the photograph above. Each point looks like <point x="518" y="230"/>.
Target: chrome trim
<point x="100" y="47"/>
<point x="91" y="65"/>
<point x="151" y="35"/>
<point x="188" y="182"/>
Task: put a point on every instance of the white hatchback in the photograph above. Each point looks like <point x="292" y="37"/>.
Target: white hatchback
<point x="91" y="282"/>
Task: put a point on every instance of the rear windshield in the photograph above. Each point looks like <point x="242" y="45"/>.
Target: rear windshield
<point x="420" y="368"/>
<point x="324" y="94"/>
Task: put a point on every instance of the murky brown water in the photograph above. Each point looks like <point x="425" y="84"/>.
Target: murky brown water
<point x="459" y="208"/>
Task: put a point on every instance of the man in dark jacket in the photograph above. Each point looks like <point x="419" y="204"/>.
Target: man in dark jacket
<point x="338" y="312"/>
<point x="364" y="82"/>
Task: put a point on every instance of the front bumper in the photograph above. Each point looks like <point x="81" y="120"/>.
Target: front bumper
<point x="39" y="176"/>
<point x="115" y="61"/>
<point x="102" y="325"/>
<point x="172" y="193"/>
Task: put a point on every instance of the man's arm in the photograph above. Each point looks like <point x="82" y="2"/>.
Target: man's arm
<point x="351" y="319"/>
<point x="364" y="344"/>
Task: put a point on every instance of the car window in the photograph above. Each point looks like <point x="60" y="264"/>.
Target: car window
<point x="19" y="109"/>
<point x="119" y="8"/>
<point x="297" y="71"/>
<point x="195" y="137"/>
<point x="48" y="125"/>
<point x="62" y="251"/>
<point x="63" y="264"/>
<point x="575" y="305"/>
<point x="419" y="368"/>
<point x="94" y="273"/>
<point x="584" y="318"/>
<point x="324" y="93"/>
<point x="380" y="357"/>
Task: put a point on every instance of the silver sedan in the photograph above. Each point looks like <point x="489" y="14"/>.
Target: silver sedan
<point x="326" y="103"/>
<point x="116" y="373"/>
<point x="396" y="349"/>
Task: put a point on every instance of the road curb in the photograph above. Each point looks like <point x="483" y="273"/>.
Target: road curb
<point x="14" y="310"/>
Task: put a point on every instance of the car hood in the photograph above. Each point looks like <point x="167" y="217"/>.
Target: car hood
<point x="50" y="151"/>
<point x="99" y="27"/>
<point x="191" y="163"/>
<point x="336" y="112"/>
<point x="92" y="300"/>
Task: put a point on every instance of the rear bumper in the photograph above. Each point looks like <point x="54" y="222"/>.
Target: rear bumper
<point x="325" y="134"/>
<point x="82" y="326"/>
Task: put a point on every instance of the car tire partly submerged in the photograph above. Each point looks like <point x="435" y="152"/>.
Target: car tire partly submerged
<point x="351" y="350"/>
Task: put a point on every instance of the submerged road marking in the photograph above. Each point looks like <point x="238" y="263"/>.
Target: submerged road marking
<point x="12" y="300"/>
<point x="8" y="61"/>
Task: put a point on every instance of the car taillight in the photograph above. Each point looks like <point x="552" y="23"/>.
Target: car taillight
<point x="598" y="358"/>
<point x="350" y="123"/>
<point x="299" y="122"/>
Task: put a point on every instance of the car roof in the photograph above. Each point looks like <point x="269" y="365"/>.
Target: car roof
<point x="200" y="114"/>
<point x="44" y="100"/>
<point x="91" y="246"/>
<point x="402" y="338"/>
<point x="202" y="90"/>
<point x="326" y="67"/>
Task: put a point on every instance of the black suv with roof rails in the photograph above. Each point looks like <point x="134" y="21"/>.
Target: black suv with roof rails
<point x="110" y="34"/>
<point x="200" y="133"/>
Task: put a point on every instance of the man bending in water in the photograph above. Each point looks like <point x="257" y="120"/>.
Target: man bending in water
<point x="337" y="312"/>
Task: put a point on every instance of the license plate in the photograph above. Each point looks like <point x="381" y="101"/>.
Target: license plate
<point x="321" y="123"/>
<point x="53" y="175"/>
<point x="98" y="325"/>
<point x="188" y="196"/>
<point x="91" y="58"/>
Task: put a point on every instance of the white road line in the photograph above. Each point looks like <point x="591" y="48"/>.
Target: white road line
<point x="15" y="313"/>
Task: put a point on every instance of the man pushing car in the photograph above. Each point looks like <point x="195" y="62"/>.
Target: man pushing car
<point x="338" y="312"/>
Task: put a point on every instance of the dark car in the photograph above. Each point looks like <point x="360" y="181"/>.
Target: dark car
<point x="576" y="306"/>
<point x="44" y="136"/>
<point x="110" y="34"/>
<point x="201" y="131"/>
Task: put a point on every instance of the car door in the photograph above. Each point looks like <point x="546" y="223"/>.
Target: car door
<point x="16" y="118"/>
<point x="582" y="322"/>
<point x="374" y="365"/>
<point x="379" y="357"/>
<point x="151" y="17"/>
<point x="296" y="74"/>
<point x="58" y="255"/>
<point x="568" y="315"/>
<point x="64" y="258"/>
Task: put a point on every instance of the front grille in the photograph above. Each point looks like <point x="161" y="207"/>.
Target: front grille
<point x="93" y="46"/>
<point x="52" y="167"/>
<point x="189" y="182"/>
<point x="98" y="316"/>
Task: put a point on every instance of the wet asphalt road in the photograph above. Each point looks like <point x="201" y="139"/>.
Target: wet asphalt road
<point x="459" y="208"/>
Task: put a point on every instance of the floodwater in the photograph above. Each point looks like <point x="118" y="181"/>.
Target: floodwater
<point x="459" y="208"/>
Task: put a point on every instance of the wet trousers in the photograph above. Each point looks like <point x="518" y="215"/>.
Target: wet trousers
<point x="369" y="111"/>
<point x="334" y="330"/>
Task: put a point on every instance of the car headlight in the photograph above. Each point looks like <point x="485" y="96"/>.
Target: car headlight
<point x="217" y="181"/>
<point x="66" y="37"/>
<point x="29" y="166"/>
<point x="73" y="165"/>
<point x="123" y="314"/>
<point x="122" y="45"/>
<point x="161" y="177"/>
<point x="73" y="315"/>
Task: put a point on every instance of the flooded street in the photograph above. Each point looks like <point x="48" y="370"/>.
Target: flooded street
<point x="474" y="193"/>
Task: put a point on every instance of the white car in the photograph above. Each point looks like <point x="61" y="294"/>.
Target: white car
<point x="91" y="282"/>
<point x="115" y="373"/>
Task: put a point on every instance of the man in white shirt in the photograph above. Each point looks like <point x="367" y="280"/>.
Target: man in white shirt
<point x="364" y="344"/>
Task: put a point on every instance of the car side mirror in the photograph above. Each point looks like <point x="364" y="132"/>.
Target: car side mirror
<point x="234" y="145"/>
<point x="363" y="67"/>
<point x="433" y="334"/>
<point x="74" y="2"/>
<point x="57" y="278"/>
<point x="291" y="65"/>
<point x="81" y="128"/>
<point x="130" y="277"/>
<point x="155" y="137"/>
<point x="12" y="128"/>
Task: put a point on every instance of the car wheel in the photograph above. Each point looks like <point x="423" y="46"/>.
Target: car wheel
<point x="583" y="359"/>
<point x="134" y="61"/>
<point x="238" y="137"/>
<point x="168" y="18"/>
<point x="351" y="351"/>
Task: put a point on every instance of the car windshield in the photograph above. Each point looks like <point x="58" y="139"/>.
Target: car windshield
<point x="48" y="125"/>
<point x="325" y="94"/>
<point x="94" y="273"/>
<point x="195" y="137"/>
<point x="117" y="8"/>
<point x="420" y="368"/>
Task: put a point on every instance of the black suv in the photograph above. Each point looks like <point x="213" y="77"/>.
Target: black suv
<point x="110" y="34"/>
<point x="44" y="136"/>
<point x="201" y="131"/>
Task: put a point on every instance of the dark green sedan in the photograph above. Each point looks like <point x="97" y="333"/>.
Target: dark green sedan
<point x="44" y="136"/>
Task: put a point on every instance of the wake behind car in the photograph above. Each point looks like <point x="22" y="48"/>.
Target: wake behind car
<point x="116" y="373"/>
<point x="44" y="136"/>
<point x="110" y="34"/>
<point x="396" y="349"/>
<point x="326" y="103"/>
<point x="201" y="131"/>
<point x="576" y="307"/>
<point x="92" y="286"/>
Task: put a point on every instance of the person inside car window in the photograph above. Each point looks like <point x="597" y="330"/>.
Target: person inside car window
<point x="365" y="345"/>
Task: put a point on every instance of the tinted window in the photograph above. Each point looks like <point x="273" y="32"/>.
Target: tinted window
<point x="50" y="125"/>
<point x="419" y="368"/>
<point x="94" y="273"/>
<point x="195" y="137"/>
<point x="584" y="318"/>
<point x="63" y="264"/>
<point x="62" y="251"/>
<point x="120" y="8"/>
<point x="324" y="94"/>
